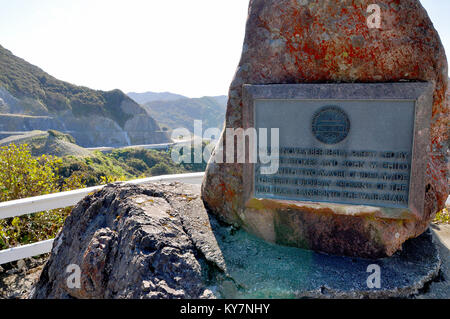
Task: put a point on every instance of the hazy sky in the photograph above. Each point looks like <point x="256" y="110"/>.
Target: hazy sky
<point x="190" y="47"/>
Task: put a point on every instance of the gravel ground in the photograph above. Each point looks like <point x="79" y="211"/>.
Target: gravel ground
<point x="440" y="288"/>
<point x="18" y="278"/>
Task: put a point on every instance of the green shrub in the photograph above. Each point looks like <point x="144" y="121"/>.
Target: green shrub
<point x="24" y="176"/>
<point x="149" y="157"/>
<point x="137" y="164"/>
<point x="160" y="169"/>
<point x="93" y="168"/>
<point x="443" y="217"/>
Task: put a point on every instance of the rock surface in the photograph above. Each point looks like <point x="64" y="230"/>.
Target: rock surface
<point x="18" y="278"/>
<point x="158" y="241"/>
<point x="131" y="242"/>
<point x="312" y="41"/>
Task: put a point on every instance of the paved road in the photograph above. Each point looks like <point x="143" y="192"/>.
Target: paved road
<point x="164" y="146"/>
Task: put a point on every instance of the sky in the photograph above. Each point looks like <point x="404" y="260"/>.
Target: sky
<point x="189" y="47"/>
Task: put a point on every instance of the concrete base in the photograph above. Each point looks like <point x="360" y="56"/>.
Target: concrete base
<point x="440" y="288"/>
<point x="262" y="270"/>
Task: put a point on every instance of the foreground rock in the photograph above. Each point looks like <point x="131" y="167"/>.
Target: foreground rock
<point x="132" y="242"/>
<point x="289" y="42"/>
<point x="158" y="241"/>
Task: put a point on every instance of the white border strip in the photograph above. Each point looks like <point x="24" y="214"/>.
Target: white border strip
<point x="36" y="204"/>
<point x="21" y="252"/>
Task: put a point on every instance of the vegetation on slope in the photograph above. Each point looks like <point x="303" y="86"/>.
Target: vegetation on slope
<point x="49" y="143"/>
<point x="21" y="176"/>
<point x="124" y="164"/>
<point x="26" y="81"/>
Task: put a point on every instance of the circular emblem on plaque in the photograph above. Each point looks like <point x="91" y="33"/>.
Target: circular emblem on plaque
<point x="330" y="125"/>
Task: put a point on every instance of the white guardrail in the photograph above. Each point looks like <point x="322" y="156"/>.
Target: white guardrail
<point x="60" y="200"/>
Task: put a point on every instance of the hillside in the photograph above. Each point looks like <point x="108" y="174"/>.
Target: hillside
<point x="94" y="118"/>
<point x="48" y="143"/>
<point x="182" y="112"/>
<point x="146" y="97"/>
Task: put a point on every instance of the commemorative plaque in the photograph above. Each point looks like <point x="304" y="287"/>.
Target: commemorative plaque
<point x="352" y="144"/>
<point x="355" y="129"/>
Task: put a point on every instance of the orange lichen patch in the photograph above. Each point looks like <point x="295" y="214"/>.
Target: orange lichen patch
<point x="228" y="193"/>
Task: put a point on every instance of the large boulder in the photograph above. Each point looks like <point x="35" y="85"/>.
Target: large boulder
<point x="315" y="41"/>
<point x="133" y="242"/>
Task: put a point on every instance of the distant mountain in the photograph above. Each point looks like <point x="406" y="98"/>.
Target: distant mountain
<point x="146" y="97"/>
<point x="182" y="112"/>
<point x="222" y="100"/>
<point x="31" y="99"/>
